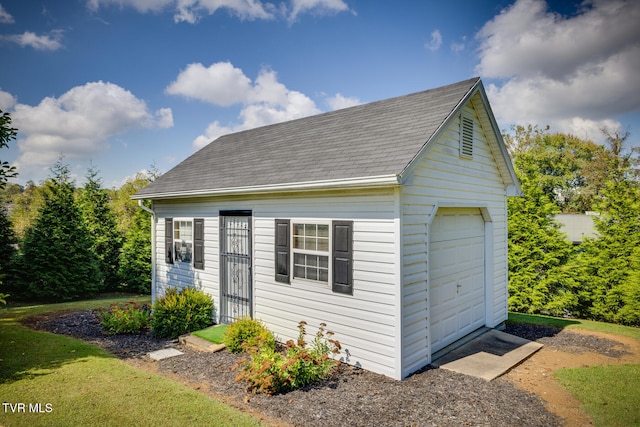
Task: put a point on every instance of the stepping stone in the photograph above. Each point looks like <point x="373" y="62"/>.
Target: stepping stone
<point x="200" y="344"/>
<point x="165" y="353"/>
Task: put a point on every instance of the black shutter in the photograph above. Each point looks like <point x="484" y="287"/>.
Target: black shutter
<point x="198" y="243"/>
<point x="168" y="240"/>
<point x="343" y="257"/>
<point x="282" y="250"/>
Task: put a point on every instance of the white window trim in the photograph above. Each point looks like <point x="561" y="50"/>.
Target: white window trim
<point x="175" y="251"/>
<point x="328" y="254"/>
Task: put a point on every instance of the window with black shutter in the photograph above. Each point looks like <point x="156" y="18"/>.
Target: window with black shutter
<point x="168" y="240"/>
<point x="198" y="243"/>
<point x="343" y="257"/>
<point x="282" y="250"/>
<point x="319" y="253"/>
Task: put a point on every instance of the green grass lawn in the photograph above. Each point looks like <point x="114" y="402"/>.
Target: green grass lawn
<point x="214" y="334"/>
<point x="590" y="325"/>
<point x="610" y="394"/>
<point x="63" y="381"/>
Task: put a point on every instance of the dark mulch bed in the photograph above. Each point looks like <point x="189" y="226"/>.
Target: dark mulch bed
<point x="351" y="396"/>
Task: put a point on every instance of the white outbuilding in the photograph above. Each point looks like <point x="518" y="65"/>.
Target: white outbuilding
<point x="387" y="221"/>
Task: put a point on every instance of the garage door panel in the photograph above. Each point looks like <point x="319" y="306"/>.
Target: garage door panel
<point x="456" y="260"/>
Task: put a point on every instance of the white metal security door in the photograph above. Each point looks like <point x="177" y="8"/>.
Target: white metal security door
<point x="457" y="275"/>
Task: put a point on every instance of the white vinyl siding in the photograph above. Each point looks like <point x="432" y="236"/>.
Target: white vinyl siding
<point x="364" y="323"/>
<point x="442" y="176"/>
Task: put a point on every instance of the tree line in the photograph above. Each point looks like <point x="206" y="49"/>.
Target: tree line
<point x="61" y="242"/>
<point x="600" y="278"/>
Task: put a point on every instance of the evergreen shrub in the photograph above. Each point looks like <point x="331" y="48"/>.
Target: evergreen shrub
<point x="181" y="312"/>
<point x="246" y="333"/>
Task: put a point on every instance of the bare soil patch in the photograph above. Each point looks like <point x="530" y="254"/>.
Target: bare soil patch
<point x="526" y="396"/>
<point x="573" y="349"/>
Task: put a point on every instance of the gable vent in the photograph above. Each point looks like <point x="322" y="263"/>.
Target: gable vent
<point x="466" y="137"/>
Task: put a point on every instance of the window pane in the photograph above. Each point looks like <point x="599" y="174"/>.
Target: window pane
<point x="183" y="251"/>
<point x="310" y="229"/>
<point x="312" y="273"/>
<point x="312" y="260"/>
<point x="323" y="245"/>
<point x="298" y="229"/>
<point x="176" y="229"/>
<point x="298" y="259"/>
<point x="185" y="230"/>
<point x="323" y="261"/>
<point x="323" y="230"/>
<point x="298" y="242"/>
<point x="324" y="275"/>
<point x="310" y="244"/>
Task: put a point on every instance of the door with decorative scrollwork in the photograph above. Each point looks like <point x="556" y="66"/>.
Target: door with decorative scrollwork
<point x="235" y="265"/>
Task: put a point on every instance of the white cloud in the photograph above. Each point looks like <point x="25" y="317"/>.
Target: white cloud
<point x="263" y="101"/>
<point x="79" y="124"/>
<point x="190" y="11"/>
<point x="30" y="39"/>
<point x="340" y="101"/>
<point x="220" y="84"/>
<point x="574" y="73"/>
<point x="318" y="7"/>
<point x="435" y="42"/>
<point x="5" y="17"/>
<point x="7" y="101"/>
<point x="142" y="6"/>
<point x="459" y="46"/>
<point x="164" y="118"/>
<point x="213" y="131"/>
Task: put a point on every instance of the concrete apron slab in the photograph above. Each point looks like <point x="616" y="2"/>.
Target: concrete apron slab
<point x="489" y="355"/>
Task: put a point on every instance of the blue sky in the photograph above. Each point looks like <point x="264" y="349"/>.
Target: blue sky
<point x="124" y="84"/>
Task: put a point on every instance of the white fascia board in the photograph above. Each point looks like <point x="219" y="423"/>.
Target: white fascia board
<point x="334" y="184"/>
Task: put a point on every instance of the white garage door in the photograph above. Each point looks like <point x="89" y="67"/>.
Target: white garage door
<point x="456" y="261"/>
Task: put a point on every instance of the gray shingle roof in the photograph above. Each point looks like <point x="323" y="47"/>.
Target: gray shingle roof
<point x="376" y="139"/>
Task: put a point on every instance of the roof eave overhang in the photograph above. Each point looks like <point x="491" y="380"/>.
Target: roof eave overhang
<point x="334" y="184"/>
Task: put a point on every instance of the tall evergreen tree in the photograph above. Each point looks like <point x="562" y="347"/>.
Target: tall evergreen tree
<point x="629" y="313"/>
<point x="7" y="134"/>
<point x="135" y="259"/>
<point x="7" y="238"/>
<point x="539" y="281"/>
<point x="609" y="264"/>
<point x="93" y="202"/>
<point x="57" y="260"/>
<point x="7" y="253"/>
